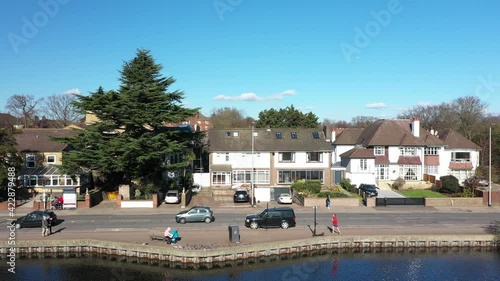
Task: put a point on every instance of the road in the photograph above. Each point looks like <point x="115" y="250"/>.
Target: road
<point x="108" y="223"/>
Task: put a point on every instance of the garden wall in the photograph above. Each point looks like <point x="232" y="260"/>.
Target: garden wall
<point x="454" y="202"/>
<point x="335" y="202"/>
<point x="151" y="203"/>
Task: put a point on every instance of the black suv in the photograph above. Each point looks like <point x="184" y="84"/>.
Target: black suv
<point x="272" y="217"/>
<point x="241" y="195"/>
<point x="369" y="189"/>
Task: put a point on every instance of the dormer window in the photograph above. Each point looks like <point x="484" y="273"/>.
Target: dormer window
<point x="228" y="134"/>
<point x="293" y="135"/>
<point x="316" y="135"/>
<point x="30" y="161"/>
<point x="378" y="150"/>
<point x="278" y="135"/>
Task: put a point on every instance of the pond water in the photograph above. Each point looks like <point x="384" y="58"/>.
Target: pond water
<point x="382" y="264"/>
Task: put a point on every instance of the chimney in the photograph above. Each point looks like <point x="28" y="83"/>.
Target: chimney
<point x="334" y="136"/>
<point x="415" y="127"/>
<point x="432" y="131"/>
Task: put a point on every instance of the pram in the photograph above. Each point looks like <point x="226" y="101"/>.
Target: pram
<point x="171" y="236"/>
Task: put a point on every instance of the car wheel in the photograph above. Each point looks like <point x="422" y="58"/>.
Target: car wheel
<point x="18" y="225"/>
<point x="254" y="225"/>
<point x="208" y="220"/>
<point x="284" y="225"/>
<point x="182" y="221"/>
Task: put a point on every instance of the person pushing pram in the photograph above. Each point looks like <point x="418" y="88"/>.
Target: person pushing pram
<point x="171" y="235"/>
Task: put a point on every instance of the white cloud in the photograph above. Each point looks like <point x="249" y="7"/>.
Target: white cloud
<point x="425" y="103"/>
<point x="72" y="92"/>
<point x="376" y="105"/>
<point x="309" y="108"/>
<point x="254" y="97"/>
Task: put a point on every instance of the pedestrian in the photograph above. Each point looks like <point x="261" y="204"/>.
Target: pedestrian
<point x="49" y="222"/>
<point x="45" y="226"/>
<point x="328" y="201"/>
<point x="335" y="223"/>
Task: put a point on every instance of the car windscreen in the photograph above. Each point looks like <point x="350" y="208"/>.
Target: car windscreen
<point x="171" y="194"/>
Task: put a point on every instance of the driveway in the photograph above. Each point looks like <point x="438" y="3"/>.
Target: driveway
<point x="388" y="194"/>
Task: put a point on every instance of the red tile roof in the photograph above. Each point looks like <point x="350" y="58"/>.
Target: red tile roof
<point x="431" y="160"/>
<point x="382" y="160"/>
<point x="39" y="139"/>
<point x="358" y="152"/>
<point x="455" y="140"/>
<point x="409" y="160"/>
<point x="460" y="165"/>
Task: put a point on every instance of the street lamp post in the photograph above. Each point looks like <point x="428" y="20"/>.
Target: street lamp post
<point x="252" y="173"/>
<point x="489" y="175"/>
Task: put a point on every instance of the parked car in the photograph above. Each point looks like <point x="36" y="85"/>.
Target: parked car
<point x="273" y="217"/>
<point x="477" y="181"/>
<point x="196" y="188"/>
<point x="34" y="219"/>
<point x="196" y="214"/>
<point x="173" y="197"/>
<point x="369" y="189"/>
<point x="241" y="195"/>
<point x="285" y="198"/>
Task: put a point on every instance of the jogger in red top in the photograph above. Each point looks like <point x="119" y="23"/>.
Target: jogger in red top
<point x="335" y="223"/>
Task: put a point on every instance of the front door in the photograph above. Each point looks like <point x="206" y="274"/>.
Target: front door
<point x="338" y="177"/>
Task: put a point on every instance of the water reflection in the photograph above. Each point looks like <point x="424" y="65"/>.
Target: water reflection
<point x="340" y="264"/>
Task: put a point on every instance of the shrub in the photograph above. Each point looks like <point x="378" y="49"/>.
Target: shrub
<point x="331" y="194"/>
<point x="298" y="186"/>
<point x="398" y="183"/>
<point x="449" y="184"/>
<point x="137" y="193"/>
<point x="313" y="186"/>
<point x="346" y="184"/>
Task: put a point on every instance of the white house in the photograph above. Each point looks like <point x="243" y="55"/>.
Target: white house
<point x="277" y="156"/>
<point x="389" y="149"/>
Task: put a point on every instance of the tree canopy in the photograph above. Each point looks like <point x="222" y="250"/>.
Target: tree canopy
<point x="229" y="117"/>
<point x="10" y="161"/>
<point x="130" y="141"/>
<point x="288" y="117"/>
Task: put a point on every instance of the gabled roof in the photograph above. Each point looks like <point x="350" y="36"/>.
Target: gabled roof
<point x="349" y="136"/>
<point x="358" y="152"/>
<point x="386" y="132"/>
<point x="267" y="140"/>
<point x="455" y="140"/>
<point x="38" y="140"/>
<point x="7" y="120"/>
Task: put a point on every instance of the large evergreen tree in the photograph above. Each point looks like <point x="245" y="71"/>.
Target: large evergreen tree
<point x="10" y="160"/>
<point x="131" y="141"/>
<point x="288" y="117"/>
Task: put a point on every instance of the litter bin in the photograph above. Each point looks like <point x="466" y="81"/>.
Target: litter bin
<point x="234" y="233"/>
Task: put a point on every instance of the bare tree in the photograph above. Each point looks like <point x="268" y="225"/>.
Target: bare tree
<point x="362" y="121"/>
<point x="23" y="106"/>
<point x="229" y="118"/>
<point x="470" y="111"/>
<point x="335" y="123"/>
<point x="438" y="117"/>
<point x="62" y="109"/>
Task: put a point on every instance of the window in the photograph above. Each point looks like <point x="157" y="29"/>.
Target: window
<point x="314" y="157"/>
<point x="409" y="172"/>
<point x="221" y="178"/>
<point x="382" y="172"/>
<point x="278" y="135"/>
<point x="288" y="177"/>
<point x="363" y="164"/>
<point x="431" y="151"/>
<point x="460" y="156"/>
<point x="235" y="134"/>
<point x="293" y="135"/>
<point x="431" y="170"/>
<point x="51" y="159"/>
<point x="227" y="156"/>
<point x="379" y="150"/>
<point x="286" y="157"/>
<point x="245" y="176"/>
<point x="408" y="151"/>
<point x="30" y="161"/>
<point x="228" y="134"/>
<point x="316" y="135"/>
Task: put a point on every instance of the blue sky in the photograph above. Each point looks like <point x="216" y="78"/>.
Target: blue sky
<point x="336" y="58"/>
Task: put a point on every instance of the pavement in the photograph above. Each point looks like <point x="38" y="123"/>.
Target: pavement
<point x="215" y="238"/>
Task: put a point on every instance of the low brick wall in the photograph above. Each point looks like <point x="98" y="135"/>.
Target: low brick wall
<point x="335" y="202"/>
<point x="5" y="204"/>
<point x="454" y="202"/>
<point x="151" y="203"/>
